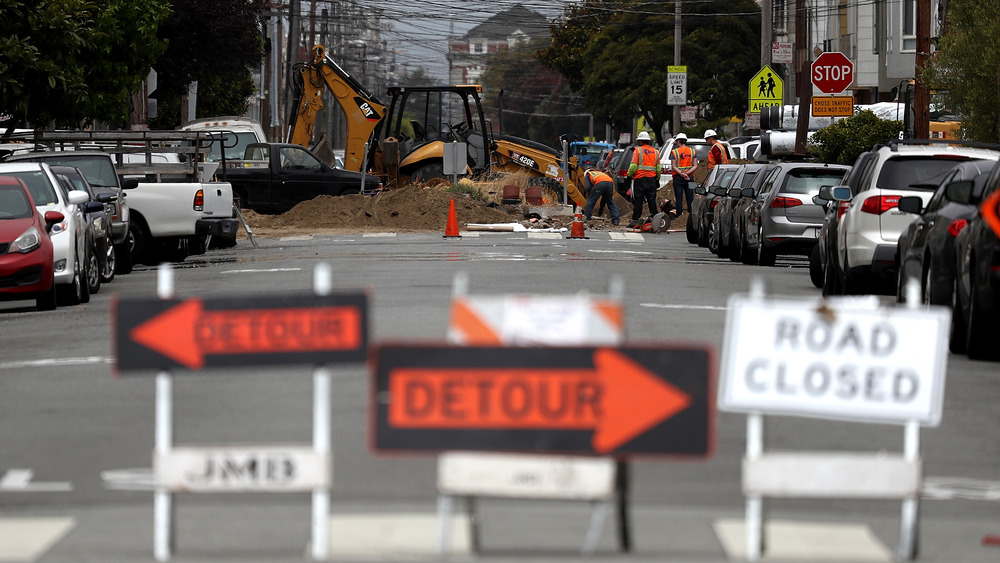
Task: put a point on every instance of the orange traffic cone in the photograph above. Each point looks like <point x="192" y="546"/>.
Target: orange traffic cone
<point x="576" y="228"/>
<point x="451" y="230"/>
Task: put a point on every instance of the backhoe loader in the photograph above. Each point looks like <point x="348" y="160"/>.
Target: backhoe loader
<point x="405" y="142"/>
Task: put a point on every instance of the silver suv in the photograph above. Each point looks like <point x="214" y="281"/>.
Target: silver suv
<point x="870" y="228"/>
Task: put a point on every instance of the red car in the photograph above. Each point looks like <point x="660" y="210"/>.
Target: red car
<point x="25" y="247"/>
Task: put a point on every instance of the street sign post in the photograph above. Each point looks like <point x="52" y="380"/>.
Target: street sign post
<point x="676" y="85"/>
<point x="583" y="400"/>
<point x="254" y="330"/>
<point x="832" y="72"/>
<point x="765" y="90"/>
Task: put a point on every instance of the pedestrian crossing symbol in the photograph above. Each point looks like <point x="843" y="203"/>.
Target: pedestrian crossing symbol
<point x="766" y="89"/>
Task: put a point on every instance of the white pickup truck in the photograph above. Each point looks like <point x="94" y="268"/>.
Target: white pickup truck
<point x="175" y="208"/>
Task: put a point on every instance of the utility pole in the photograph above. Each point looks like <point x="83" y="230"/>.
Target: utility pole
<point x="803" y="83"/>
<point x="676" y="126"/>
<point x="921" y="94"/>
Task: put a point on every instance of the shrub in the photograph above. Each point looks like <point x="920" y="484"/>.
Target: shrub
<point x="845" y="140"/>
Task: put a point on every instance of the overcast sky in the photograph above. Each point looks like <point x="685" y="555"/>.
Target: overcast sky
<point x="421" y="28"/>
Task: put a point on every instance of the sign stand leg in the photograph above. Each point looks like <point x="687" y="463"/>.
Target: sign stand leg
<point x="755" y="503"/>
<point x="163" y="505"/>
<point x="597" y="518"/>
<point x="473" y="516"/>
<point x="444" y="524"/>
<point x="910" y="520"/>
<point x="621" y="484"/>
<point x="321" y="443"/>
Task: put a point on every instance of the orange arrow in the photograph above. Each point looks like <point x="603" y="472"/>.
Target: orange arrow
<point x="618" y="398"/>
<point x="187" y="333"/>
<point x="990" y="210"/>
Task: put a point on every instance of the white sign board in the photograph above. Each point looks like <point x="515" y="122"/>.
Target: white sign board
<point x="223" y="469"/>
<point x="454" y="159"/>
<point x="676" y="85"/>
<point x="781" y="52"/>
<point x="526" y="476"/>
<point x="842" y="359"/>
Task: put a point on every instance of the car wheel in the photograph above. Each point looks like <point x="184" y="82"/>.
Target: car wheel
<point x="139" y="241"/>
<point x="72" y="293"/>
<point x="702" y="234"/>
<point x="831" y="277"/>
<point x="765" y="256"/>
<point x="934" y="293"/>
<point x="124" y="255"/>
<point x="93" y="271"/>
<point x="427" y="172"/>
<point x="749" y="255"/>
<point x="980" y="336"/>
<point x="735" y="246"/>
<point x="959" y="330"/>
<point x="712" y="239"/>
<point x="110" y="264"/>
<point x="47" y="301"/>
<point x="692" y="235"/>
<point x="815" y="268"/>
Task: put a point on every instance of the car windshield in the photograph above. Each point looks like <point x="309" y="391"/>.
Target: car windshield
<point x="38" y="184"/>
<point x="915" y="173"/>
<point x="235" y="147"/>
<point x="810" y="181"/>
<point x="98" y="170"/>
<point x="14" y="203"/>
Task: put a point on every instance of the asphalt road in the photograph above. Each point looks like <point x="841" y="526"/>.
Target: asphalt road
<point x="76" y="441"/>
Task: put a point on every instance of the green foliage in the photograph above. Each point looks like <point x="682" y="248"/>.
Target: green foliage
<point x="70" y="62"/>
<point x="845" y="140"/>
<point x="967" y="66"/>
<point x="616" y="53"/>
<point x="215" y="43"/>
<point x="469" y="190"/>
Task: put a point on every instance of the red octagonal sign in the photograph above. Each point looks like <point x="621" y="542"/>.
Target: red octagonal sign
<point x="832" y="72"/>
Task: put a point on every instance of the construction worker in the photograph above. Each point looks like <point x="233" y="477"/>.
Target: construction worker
<point x="645" y="174"/>
<point x="717" y="153"/>
<point x="598" y="185"/>
<point x="683" y="163"/>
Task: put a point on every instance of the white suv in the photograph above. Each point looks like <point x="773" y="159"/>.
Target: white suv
<point x="69" y="238"/>
<point x="869" y="229"/>
<point x="700" y="147"/>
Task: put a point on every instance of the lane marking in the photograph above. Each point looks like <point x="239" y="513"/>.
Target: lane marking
<point x="48" y="362"/>
<point x="28" y="539"/>
<point x="618" y="251"/>
<point x="130" y="479"/>
<point x="630" y="237"/>
<point x="948" y="488"/>
<point x="378" y="235"/>
<point x="19" y="481"/>
<point x="679" y="306"/>
<point x="261" y="271"/>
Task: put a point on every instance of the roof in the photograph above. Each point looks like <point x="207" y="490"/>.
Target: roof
<point x="518" y="20"/>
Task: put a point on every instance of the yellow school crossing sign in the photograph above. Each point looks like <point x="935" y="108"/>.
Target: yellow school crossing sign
<point x="766" y="89"/>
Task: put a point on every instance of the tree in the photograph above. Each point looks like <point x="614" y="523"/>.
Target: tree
<point x="845" y="140"/>
<point x="71" y="62"/>
<point x="617" y="53"/>
<point x="967" y="67"/>
<point x="216" y="44"/>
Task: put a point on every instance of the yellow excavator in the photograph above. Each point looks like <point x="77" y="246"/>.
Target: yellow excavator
<point x="406" y="141"/>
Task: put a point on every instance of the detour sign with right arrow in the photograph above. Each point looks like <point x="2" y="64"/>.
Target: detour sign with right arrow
<point x="606" y="401"/>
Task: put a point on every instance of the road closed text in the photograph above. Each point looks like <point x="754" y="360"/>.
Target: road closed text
<point x="835" y="360"/>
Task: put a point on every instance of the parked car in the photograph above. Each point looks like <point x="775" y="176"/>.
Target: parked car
<point x="926" y="249"/>
<point x="588" y="152"/>
<point x="783" y="218"/>
<point x="99" y="170"/>
<point x="746" y="197"/>
<point x="704" y="201"/>
<point x="746" y="148"/>
<point x="720" y="238"/>
<point x="26" y="260"/>
<point x="619" y="170"/>
<point x="97" y="213"/>
<point x="823" y="261"/>
<point x="868" y="230"/>
<point x="977" y="277"/>
<point x="69" y="249"/>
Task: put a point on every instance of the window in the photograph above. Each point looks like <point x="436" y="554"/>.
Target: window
<point x="909" y="32"/>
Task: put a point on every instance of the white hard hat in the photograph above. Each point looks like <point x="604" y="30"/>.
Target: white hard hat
<point x="681" y="136"/>
<point x="643" y="136"/>
<point x="711" y="133"/>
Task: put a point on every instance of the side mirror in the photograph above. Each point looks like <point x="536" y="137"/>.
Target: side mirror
<point x="700" y="190"/>
<point x="819" y="201"/>
<point x="107" y="198"/>
<point x="959" y="192"/>
<point x="77" y="197"/>
<point x="911" y="204"/>
<point x="825" y="193"/>
<point x="842" y="193"/>
<point x="93" y="206"/>
<point x="735" y="192"/>
<point x="130" y="183"/>
<point x="720" y="191"/>
<point x="746" y="192"/>
<point x="53" y="217"/>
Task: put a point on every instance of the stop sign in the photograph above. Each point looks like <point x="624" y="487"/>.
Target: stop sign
<point x="832" y="72"/>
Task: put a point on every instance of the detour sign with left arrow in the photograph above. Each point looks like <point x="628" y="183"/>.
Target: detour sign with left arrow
<point x="156" y="334"/>
<point x="606" y="401"/>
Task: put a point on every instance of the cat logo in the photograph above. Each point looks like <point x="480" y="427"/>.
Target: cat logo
<point x="367" y="110"/>
<point x="525" y="161"/>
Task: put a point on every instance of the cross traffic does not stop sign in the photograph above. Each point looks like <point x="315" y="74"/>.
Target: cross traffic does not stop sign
<point x="832" y="72"/>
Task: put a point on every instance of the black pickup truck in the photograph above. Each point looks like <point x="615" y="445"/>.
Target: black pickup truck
<point x="274" y="177"/>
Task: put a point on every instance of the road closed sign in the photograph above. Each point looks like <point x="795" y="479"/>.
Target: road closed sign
<point x="841" y="359"/>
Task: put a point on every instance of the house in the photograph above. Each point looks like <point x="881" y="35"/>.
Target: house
<point x="467" y="55"/>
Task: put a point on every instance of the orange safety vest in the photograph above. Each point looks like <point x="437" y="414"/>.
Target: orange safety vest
<point x="713" y="160"/>
<point x="647" y="164"/>
<point x="683" y="158"/>
<point x="596" y="177"/>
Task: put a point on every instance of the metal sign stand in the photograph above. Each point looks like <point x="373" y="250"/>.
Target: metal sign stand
<point x="164" y="534"/>
<point x="601" y="502"/>
<point x="755" y="542"/>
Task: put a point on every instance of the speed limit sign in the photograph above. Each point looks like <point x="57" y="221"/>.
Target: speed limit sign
<point x="676" y="85"/>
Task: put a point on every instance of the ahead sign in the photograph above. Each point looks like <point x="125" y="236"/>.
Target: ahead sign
<point x="834" y="359"/>
<point x="832" y="72"/>
<point x="553" y="399"/>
